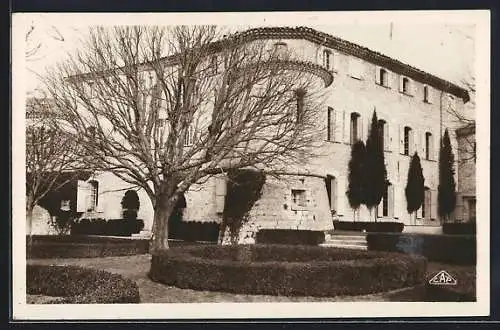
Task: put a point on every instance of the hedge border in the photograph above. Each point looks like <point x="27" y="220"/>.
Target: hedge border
<point x="454" y="249"/>
<point x="44" y="247"/>
<point x="78" y="285"/>
<point x="290" y="236"/>
<point x="343" y="272"/>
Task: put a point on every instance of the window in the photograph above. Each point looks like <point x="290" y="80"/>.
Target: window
<point x="428" y="145"/>
<point x="300" y="95"/>
<point x="426" y="205"/>
<point x="91" y="89"/>
<point x="327" y="54"/>
<point x="280" y="50"/>
<point x="93" y="195"/>
<point x="427" y="98"/>
<point x="405" y="85"/>
<point x="189" y="136"/>
<point x="407" y="140"/>
<point x="474" y="151"/>
<point x="214" y="64"/>
<point x="383" y="78"/>
<point x="381" y="131"/>
<point x="354" y="127"/>
<point x="385" y="202"/>
<point x="331" y="187"/>
<point x="330" y="124"/>
<point x="356" y="68"/>
<point x="299" y="198"/>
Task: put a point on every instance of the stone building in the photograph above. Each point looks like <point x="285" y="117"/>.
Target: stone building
<point x="411" y="107"/>
<point x="466" y="165"/>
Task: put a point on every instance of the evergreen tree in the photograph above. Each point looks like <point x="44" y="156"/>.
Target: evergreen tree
<point x="356" y="167"/>
<point x="446" y="187"/>
<point x="415" y="188"/>
<point x="130" y="204"/>
<point x="375" y="173"/>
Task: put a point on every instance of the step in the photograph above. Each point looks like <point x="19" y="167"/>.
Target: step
<point x="345" y="246"/>
<point x="353" y="242"/>
<point x="346" y="237"/>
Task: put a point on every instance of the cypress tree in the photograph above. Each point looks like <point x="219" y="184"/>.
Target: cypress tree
<point x="446" y="187"/>
<point x="355" y="177"/>
<point x="375" y="173"/>
<point x="415" y="188"/>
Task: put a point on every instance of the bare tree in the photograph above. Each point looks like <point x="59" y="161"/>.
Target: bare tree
<point x="50" y="155"/>
<point x="170" y="107"/>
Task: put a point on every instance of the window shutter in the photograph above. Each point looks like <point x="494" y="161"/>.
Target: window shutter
<point x="387" y="137"/>
<point x="436" y="142"/>
<point x="433" y="204"/>
<point x="82" y="196"/>
<point x="380" y="209"/>
<point x="422" y="144"/>
<point x="377" y="75"/>
<point x="338" y="122"/>
<point x="401" y="139"/>
<point x="361" y="129"/>
<point x="390" y="197"/>
<point x="333" y="194"/>
<point x="399" y="202"/>
<point x="401" y="83"/>
<point x="220" y="193"/>
<point x="411" y="142"/>
<point x="347" y="127"/>
<point x="336" y="61"/>
<point x="429" y="94"/>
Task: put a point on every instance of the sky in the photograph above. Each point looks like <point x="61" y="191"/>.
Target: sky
<point x="443" y="49"/>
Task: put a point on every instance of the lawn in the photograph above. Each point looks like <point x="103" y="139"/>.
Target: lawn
<point x="136" y="268"/>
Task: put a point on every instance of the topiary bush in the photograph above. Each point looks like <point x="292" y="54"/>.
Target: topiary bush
<point x="77" y="285"/>
<point x="286" y="270"/>
<point x="290" y="236"/>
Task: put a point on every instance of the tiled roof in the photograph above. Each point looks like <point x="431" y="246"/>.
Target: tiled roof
<point x="354" y="50"/>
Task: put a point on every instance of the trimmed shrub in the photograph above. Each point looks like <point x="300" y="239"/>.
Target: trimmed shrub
<point x="464" y="228"/>
<point x="112" y="227"/>
<point x="78" y="285"/>
<point x="382" y="227"/>
<point x="290" y="236"/>
<point x="85" y="247"/>
<point x="286" y="270"/>
<point x="452" y="249"/>
<point x="194" y="231"/>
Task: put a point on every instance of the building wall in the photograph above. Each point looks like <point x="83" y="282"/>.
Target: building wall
<point x="466" y="185"/>
<point x="346" y="95"/>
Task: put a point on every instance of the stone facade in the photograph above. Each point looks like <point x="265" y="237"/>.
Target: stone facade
<point x="410" y="103"/>
<point x="466" y="185"/>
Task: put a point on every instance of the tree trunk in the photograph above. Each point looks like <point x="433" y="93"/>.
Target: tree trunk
<point x="29" y="225"/>
<point x="164" y="208"/>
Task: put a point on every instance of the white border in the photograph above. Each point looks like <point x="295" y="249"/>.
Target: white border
<point x="22" y="311"/>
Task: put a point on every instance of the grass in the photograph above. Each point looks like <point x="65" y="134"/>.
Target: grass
<point x="136" y="268"/>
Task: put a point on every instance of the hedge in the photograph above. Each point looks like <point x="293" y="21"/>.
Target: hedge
<point x="289" y="270"/>
<point x="465" y="228"/>
<point x="289" y="236"/>
<point x="112" y="227"/>
<point x="77" y="285"/>
<point x="384" y="227"/>
<point x="194" y="231"/>
<point x="452" y="249"/>
<point x="84" y="247"/>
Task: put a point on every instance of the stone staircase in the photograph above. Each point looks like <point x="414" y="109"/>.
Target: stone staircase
<point x="346" y="241"/>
